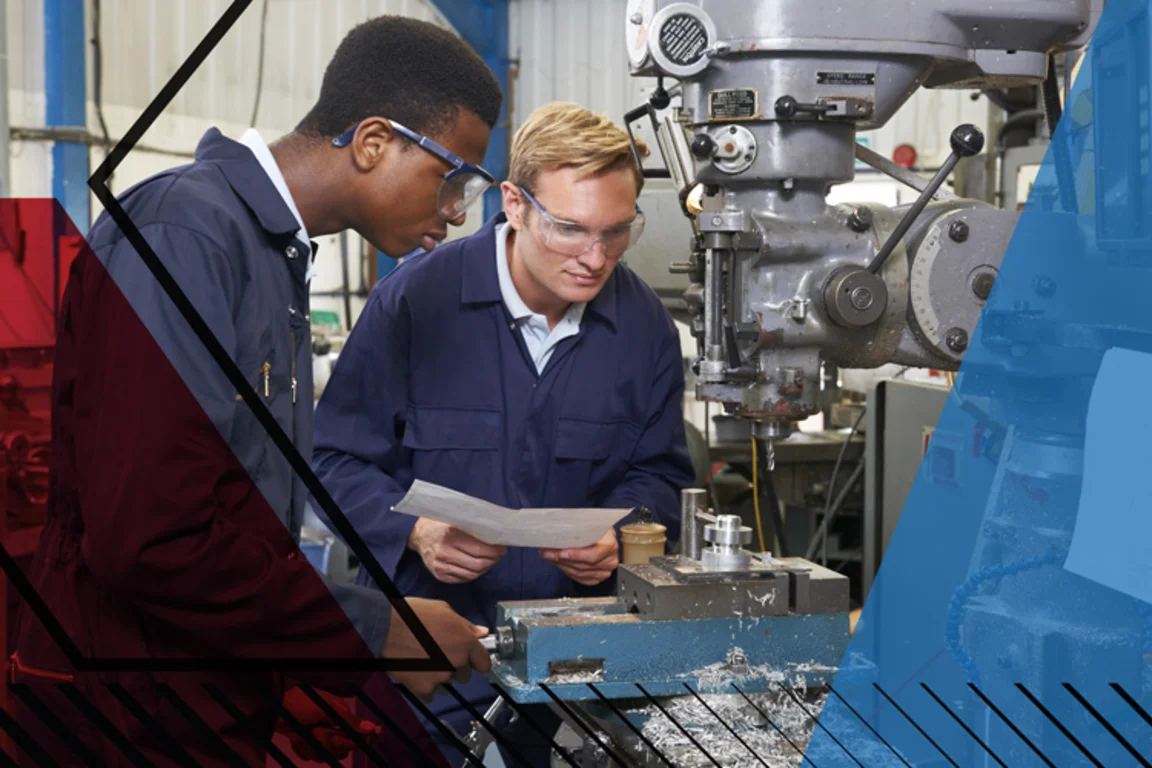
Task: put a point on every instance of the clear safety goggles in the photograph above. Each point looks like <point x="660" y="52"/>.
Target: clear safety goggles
<point x="573" y="239"/>
<point x="462" y="186"/>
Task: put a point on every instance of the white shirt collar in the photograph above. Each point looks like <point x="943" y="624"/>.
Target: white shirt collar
<point x="254" y="142"/>
<point x="516" y="306"/>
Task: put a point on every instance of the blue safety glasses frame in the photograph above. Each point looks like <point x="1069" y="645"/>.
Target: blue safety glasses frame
<point x="462" y="186"/>
<point x="573" y="239"/>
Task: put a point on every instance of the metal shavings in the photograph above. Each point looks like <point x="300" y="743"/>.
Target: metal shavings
<point x="576" y="678"/>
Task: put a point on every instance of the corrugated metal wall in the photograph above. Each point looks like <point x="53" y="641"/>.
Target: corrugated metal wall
<point x="143" y="43"/>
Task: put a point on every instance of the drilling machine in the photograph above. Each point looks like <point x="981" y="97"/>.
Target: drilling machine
<point x="771" y="98"/>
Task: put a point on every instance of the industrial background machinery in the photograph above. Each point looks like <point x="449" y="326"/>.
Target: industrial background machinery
<point x="782" y="284"/>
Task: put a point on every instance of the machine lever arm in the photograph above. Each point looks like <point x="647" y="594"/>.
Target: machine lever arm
<point x="967" y="140"/>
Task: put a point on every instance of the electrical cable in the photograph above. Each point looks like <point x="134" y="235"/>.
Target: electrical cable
<point x="98" y="77"/>
<point x="833" y="511"/>
<point x="260" y="64"/>
<point x="756" y="495"/>
<point x="832" y="485"/>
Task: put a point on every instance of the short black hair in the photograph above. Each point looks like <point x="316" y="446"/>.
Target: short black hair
<point x="407" y="70"/>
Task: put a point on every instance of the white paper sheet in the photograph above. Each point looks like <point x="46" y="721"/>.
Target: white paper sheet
<point x="497" y="525"/>
<point x="1110" y="543"/>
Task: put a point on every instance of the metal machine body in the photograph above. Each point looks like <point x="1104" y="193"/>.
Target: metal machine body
<point x="772" y="97"/>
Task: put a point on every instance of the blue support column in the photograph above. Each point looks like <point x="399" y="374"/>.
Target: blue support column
<point x="65" y="90"/>
<point x="484" y="24"/>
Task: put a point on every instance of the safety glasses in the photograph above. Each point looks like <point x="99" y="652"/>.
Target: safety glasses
<point x="462" y="186"/>
<point x="572" y="239"/>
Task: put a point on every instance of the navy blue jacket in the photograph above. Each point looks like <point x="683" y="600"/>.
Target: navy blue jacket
<point x="435" y="383"/>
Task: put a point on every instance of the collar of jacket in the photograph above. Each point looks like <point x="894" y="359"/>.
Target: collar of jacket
<point x="247" y="178"/>
<point x="480" y="284"/>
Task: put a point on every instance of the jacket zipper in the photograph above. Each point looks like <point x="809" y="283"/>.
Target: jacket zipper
<point x="266" y="369"/>
<point x="293" y="367"/>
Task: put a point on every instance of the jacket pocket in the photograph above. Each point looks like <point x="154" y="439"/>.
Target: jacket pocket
<point x="456" y="448"/>
<point x="591" y="457"/>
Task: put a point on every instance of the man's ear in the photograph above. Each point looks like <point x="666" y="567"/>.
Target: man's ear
<point x="513" y="204"/>
<point x="374" y="140"/>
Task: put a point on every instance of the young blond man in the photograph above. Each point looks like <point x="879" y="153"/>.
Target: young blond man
<point x="523" y="365"/>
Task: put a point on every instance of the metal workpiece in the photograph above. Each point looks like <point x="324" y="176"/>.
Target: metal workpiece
<point x="726" y="537"/>
<point x="693" y="501"/>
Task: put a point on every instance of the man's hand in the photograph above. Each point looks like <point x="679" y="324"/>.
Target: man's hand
<point x="330" y="734"/>
<point x="587" y="565"/>
<point x="453" y="556"/>
<point x="457" y="637"/>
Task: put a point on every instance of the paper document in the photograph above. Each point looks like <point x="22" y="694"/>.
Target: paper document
<point x="494" y="524"/>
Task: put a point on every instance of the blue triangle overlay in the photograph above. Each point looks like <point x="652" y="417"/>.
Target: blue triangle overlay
<point x="1010" y="622"/>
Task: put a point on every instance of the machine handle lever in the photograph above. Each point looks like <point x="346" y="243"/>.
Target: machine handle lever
<point x="967" y="140"/>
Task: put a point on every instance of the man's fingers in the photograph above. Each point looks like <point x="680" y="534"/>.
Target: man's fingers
<point x="462" y="559"/>
<point x="466" y="542"/>
<point x="451" y="574"/>
<point x="478" y="657"/>
<point x="586" y="555"/>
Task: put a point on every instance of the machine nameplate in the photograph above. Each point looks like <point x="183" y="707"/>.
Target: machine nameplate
<point x="846" y="78"/>
<point x="733" y="104"/>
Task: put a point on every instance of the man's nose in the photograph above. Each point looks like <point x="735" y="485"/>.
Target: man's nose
<point x="594" y="258"/>
<point x="459" y="220"/>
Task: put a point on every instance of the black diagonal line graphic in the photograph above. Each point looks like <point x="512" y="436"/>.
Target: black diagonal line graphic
<point x="962" y="724"/>
<point x="343" y="725"/>
<point x="729" y="728"/>
<point x="436" y="661"/>
<point x="1067" y="733"/>
<point x="1011" y="725"/>
<point x="383" y="717"/>
<point x="484" y="722"/>
<point x="66" y="735"/>
<point x="173" y="747"/>
<point x="1107" y="725"/>
<point x="772" y="723"/>
<point x="1132" y="702"/>
<point x="576" y="718"/>
<point x="190" y="715"/>
<point x="869" y="726"/>
<point x="24" y="741"/>
<point x="631" y="726"/>
<point x="319" y="753"/>
<point x="441" y="726"/>
<point x="792" y="694"/>
<point x="914" y="724"/>
<point x="535" y="725"/>
<point x="676" y="723"/>
<point x="239" y="717"/>
<point x="89" y="710"/>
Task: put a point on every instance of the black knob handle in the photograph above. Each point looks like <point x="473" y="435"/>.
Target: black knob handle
<point x="703" y="146"/>
<point x="787" y="107"/>
<point x="967" y="140"/>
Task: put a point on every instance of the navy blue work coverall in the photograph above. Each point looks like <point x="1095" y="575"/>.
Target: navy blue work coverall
<point x="171" y="525"/>
<point x="435" y="383"/>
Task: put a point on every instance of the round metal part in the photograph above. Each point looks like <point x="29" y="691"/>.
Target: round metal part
<point x="860" y="220"/>
<point x="956" y="339"/>
<point x="505" y="643"/>
<point x="727" y="531"/>
<point x="716" y="560"/>
<point x="640" y="13"/>
<point x="983" y="283"/>
<point x="958" y="230"/>
<point x="771" y="430"/>
<point x="679" y="38"/>
<point x="735" y="150"/>
<point x="855" y="297"/>
<point x="949" y="282"/>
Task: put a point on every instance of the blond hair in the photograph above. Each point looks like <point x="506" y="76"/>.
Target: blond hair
<point x="565" y="135"/>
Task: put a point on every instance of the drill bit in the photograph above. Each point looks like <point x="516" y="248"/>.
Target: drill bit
<point x="770" y="454"/>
